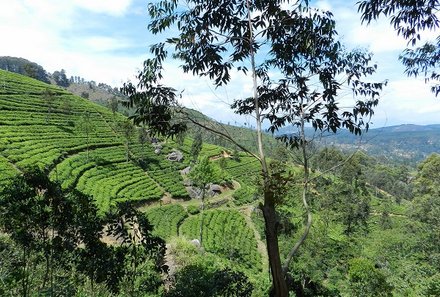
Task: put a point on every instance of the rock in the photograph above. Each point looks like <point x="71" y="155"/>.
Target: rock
<point x="185" y="170"/>
<point x="194" y="193"/>
<point x="187" y="182"/>
<point x="157" y="151"/>
<point x="196" y="243"/>
<point x="215" y="188"/>
<point x="175" y="156"/>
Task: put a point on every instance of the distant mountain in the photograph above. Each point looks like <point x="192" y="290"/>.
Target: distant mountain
<point x="409" y="128"/>
<point x="406" y="144"/>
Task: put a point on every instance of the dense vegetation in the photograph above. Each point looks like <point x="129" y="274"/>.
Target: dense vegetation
<point x="71" y="179"/>
<point x="25" y="67"/>
<point x="402" y="144"/>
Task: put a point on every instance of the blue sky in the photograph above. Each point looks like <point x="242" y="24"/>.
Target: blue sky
<point x="107" y="41"/>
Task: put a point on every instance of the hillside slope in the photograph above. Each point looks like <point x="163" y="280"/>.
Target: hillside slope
<point x="80" y="144"/>
<point x="85" y="146"/>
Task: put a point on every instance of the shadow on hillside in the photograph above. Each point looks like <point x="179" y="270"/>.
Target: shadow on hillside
<point x="65" y="129"/>
<point x="147" y="163"/>
<point x="105" y="163"/>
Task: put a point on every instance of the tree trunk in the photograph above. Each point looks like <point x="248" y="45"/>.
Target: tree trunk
<point x="25" y="280"/>
<point x="201" y="215"/>
<point x="279" y="285"/>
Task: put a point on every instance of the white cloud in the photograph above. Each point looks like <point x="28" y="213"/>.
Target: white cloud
<point x="112" y="7"/>
<point x="324" y="5"/>
<point x="56" y="34"/>
<point x="39" y="30"/>
<point x="377" y="37"/>
<point x="103" y="43"/>
<point x="407" y="100"/>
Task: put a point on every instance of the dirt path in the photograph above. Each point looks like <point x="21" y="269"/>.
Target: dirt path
<point x="226" y="195"/>
<point x="261" y="246"/>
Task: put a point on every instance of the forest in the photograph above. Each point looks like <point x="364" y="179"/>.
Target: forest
<point x="160" y="200"/>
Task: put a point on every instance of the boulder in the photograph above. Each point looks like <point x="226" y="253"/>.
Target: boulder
<point x="185" y="170"/>
<point x="194" y="193"/>
<point x="195" y="242"/>
<point x="175" y="156"/>
<point x="215" y="188"/>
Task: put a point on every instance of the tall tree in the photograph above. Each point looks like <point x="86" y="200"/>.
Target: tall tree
<point x="60" y="78"/>
<point x="128" y="130"/>
<point x="201" y="175"/>
<point x="196" y="146"/>
<point x="86" y="126"/>
<point x="296" y="66"/>
<point x="113" y="103"/>
<point x="143" y="137"/>
<point x="409" y="18"/>
<point x="48" y="97"/>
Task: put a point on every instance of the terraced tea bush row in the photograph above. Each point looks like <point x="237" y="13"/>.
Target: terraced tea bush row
<point x="47" y="130"/>
<point x="246" y="170"/>
<point x="7" y="171"/>
<point x="10" y="84"/>
<point x="171" y="181"/>
<point x="225" y="232"/>
<point x="166" y="219"/>
<point x="211" y="150"/>
<point x="104" y="184"/>
<point x="244" y="195"/>
<point x="44" y="153"/>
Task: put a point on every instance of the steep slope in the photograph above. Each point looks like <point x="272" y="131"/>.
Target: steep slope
<point x="79" y="143"/>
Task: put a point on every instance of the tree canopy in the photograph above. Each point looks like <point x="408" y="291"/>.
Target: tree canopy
<point x="410" y="19"/>
<point x="297" y="66"/>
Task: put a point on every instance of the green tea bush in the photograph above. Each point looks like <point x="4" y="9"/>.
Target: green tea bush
<point x="166" y="219"/>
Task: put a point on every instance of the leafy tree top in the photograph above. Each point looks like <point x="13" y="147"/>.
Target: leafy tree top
<point x="301" y="69"/>
<point x="409" y="18"/>
<point x="203" y="173"/>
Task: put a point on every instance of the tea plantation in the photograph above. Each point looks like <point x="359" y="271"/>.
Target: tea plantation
<point x="84" y="146"/>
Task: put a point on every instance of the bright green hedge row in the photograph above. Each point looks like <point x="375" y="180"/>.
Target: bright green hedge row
<point x="225" y="232"/>
<point x="166" y="219"/>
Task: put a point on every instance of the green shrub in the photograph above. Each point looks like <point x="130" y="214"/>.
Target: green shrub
<point x="166" y="219"/>
<point x="227" y="234"/>
<point x="244" y="195"/>
<point x="193" y="209"/>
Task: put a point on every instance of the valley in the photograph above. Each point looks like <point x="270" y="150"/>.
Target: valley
<point x="373" y="231"/>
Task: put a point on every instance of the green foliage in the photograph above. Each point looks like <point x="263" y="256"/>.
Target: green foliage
<point x="348" y="203"/>
<point x="127" y="130"/>
<point x="367" y="280"/>
<point x="25" y="67"/>
<point x="433" y="286"/>
<point x="185" y="254"/>
<point x="196" y="146"/>
<point x="113" y="104"/>
<point x="203" y="173"/>
<point x="225" y="233"/>
<point x="166" y="220"/>
<point x="57" y="242"/>
<point x="428" y="177"/>
<point x="60" y="78"/>
<point x="244" y="195"/>
<point x="201" y="280"/>
<point x="193" y="209"/>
